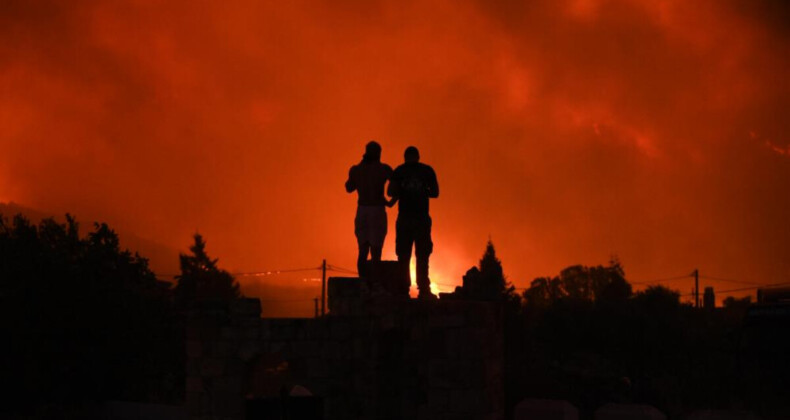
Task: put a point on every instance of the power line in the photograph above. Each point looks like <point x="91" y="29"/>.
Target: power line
<point x="273" y="273"/>
<point x="730" y="280"/>
<point x="742" y="289"/>
<point x="661" y="280"/>
<point x="257" y="273"/>
<point x="338" y="269"/>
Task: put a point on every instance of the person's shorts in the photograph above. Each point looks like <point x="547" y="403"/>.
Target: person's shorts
<point x="370" y="225"/>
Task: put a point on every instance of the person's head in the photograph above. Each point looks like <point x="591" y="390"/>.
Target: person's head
<point x="411" y="155"/>
<point x="372" y="152"/>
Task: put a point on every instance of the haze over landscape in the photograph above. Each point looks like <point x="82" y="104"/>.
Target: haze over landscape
<point x="567" y="131"/>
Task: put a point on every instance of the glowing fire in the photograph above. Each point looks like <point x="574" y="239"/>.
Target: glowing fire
<point x="413" y="292"/>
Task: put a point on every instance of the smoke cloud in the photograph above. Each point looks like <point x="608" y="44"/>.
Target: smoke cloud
<point x="566" y="131"/>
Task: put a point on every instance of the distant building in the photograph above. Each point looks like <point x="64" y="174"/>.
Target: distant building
<point x="709" y="298"/>
<point x="764" y="342"/>
<point x="774" y="295"/>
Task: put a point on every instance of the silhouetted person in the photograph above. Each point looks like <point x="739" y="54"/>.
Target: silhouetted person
<point x="370" y="224"/>
<point x="413" y="184"/>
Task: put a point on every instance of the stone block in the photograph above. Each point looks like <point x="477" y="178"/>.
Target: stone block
<point x="282" y="329"/>
<point x="628" y="412"/>
<point x="329" y="350"/>
<point x="360" y="349"/>
<point x="483" y="314"/>
<point x="387" y="321"/>
<point x="418" y="331"/>
<point x="192" y="403"/>
<point x="342" y="369"/>
<point x="464" y="343"/>
<point x="194" y="349"/>
<point x="408" y="409"/>
<point x="467" y="401"/>
<point x="248" y="351"/>
<point x="427" y="412"/>
<point x="197" y="404"/>
<point x="722" y="415"/>
<point x="317" y="368"/>
<point x="299" y="326"/>
<point x="390" y="277"/>
<point x="461" y="416"/>
<point x="248" y="324"/>
<point x="229" y="333"/>
<point x="434" y="346"/>
<point x="277" y="347"/>
<point x="494" y="367"/>
<point x="265" y="332"/>
<point x="248" y="307"/>
<point x="495" y="415"/>
<point x="438" y="364"/>
<point x="344" y="295"/>
<point x="229" y="384"/>
<point x="316" y="329"/>
<point x="124" y="410"/>
<point x="447" y="321"/>
<point x="538" y="409"/>
<point x="340" y="329"/>
<point x="226" y="405"/>
<point x="439" y="399"/>
<point x="455" y="373"/>
<point x="217" y="349"/>
<point x="212" y="367"/>
<point x="194" y="384"/>
<point x="304" y="349"/>
<point x="362" y="382"/>
<point x="196" y="329"/>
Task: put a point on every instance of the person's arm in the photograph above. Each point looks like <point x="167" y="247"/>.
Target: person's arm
<point x="350" y="184"/>
<point x="393" y="188"/>
<point x="433" y="185"/>
<point x="391" y="202"/>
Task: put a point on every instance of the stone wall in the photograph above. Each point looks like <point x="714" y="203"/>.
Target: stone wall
<point x="384" y="358"/>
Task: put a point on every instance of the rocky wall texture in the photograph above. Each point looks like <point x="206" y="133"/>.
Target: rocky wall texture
<point x="385" y="359"/>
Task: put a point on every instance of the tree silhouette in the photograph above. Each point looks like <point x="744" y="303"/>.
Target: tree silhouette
<point x="83" y="320"/>
<point x="579" y="282"/>
<point x="488" y="282"/>
<point x="543" y="291"/>
<point x="491" y="269"/>
<point x="201" y="279"/>
<point x="609" y="283"/>
<point x="658" y="298"/>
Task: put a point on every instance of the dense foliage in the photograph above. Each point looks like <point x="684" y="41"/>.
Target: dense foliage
<point x="584" y="336"/>
<point x="82" y="320"/>
<point x="201" y="279"/>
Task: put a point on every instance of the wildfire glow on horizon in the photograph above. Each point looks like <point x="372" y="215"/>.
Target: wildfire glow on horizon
<point x="438" y="284"/>
<point x="567" y="131"/>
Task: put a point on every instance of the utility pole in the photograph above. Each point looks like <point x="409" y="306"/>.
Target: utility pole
<point x="696" y="288"/>
<point x="323" y="288"/>
<point x="316" y="307"/>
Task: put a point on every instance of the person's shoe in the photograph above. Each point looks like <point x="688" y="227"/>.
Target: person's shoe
<point x="426" y="295"/>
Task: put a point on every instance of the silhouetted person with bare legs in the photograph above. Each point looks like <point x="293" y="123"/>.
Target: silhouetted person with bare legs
<point x="412" y="185"/>
<point x="370" y="224"/>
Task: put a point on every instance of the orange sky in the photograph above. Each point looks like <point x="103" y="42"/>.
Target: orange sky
<point x="568" y="131"/>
